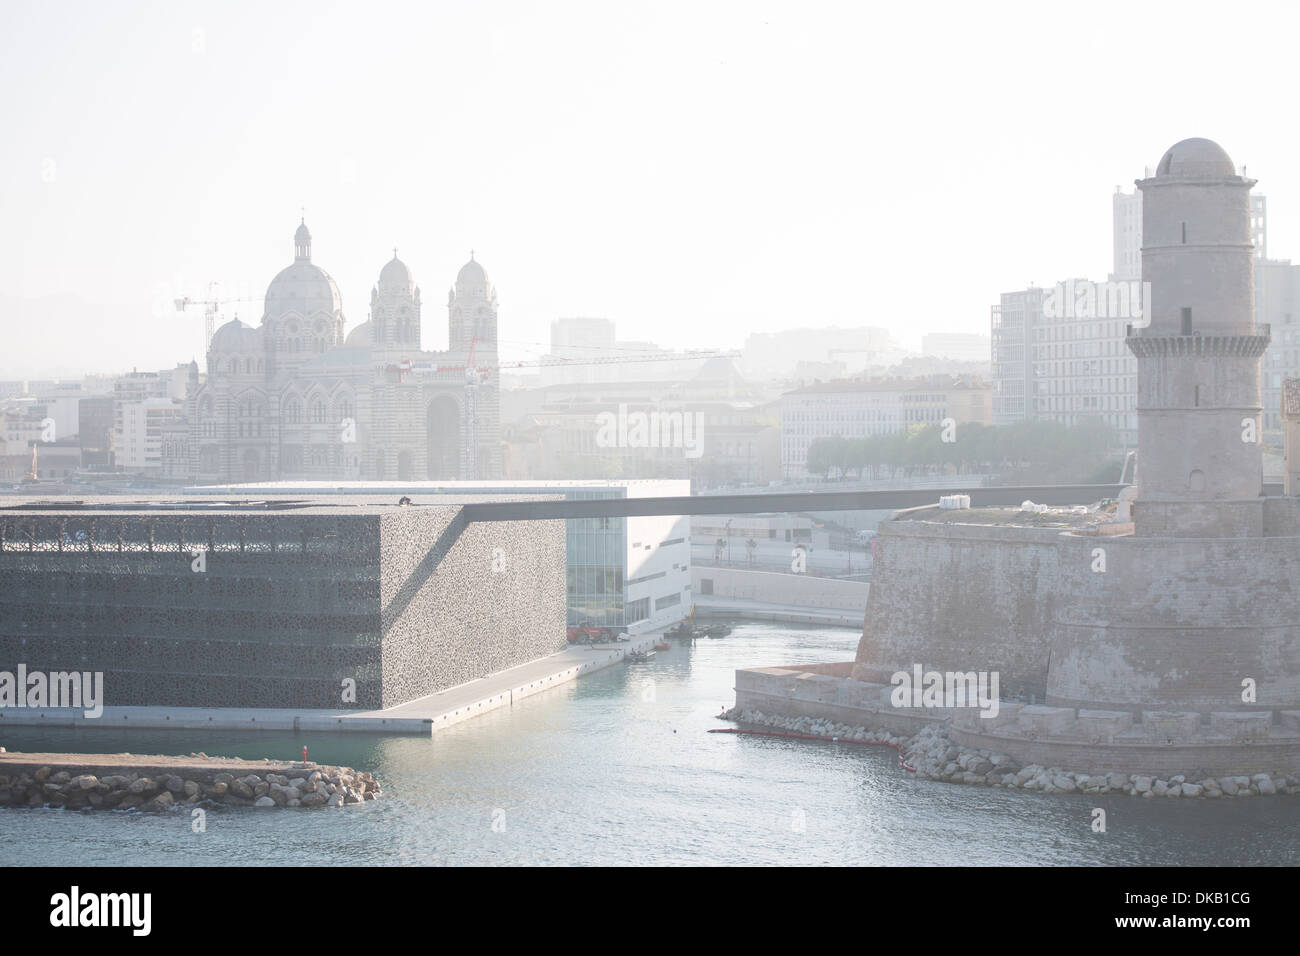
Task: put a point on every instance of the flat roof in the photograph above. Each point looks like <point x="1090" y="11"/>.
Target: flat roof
<point x="1063" y="517"/>
<point x="486" y="490"/>
<point x="124" y="505"/>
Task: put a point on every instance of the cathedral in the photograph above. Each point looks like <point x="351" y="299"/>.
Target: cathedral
<point x="295" y="398"/>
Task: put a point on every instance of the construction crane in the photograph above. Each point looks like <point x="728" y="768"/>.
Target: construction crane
<point x="211" y="309"/>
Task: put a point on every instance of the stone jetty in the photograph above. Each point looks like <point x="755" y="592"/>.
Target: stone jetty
<point x="154" y="784"/>
<point x="933" y="756"/>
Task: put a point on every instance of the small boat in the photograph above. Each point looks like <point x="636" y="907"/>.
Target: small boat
<point x="717" y="630"/>
<point x="663" y="646"/>
<point x="639" y="657"/>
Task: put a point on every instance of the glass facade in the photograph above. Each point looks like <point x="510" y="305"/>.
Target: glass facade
<point x="597" y="550"/>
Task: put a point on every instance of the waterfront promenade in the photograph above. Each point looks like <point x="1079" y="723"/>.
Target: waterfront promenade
<point x="422" y="717"/>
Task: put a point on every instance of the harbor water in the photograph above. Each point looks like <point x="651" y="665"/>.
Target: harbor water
<point x="618" y="768"/>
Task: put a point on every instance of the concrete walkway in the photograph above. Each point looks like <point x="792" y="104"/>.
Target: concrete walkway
<point x="711" y="607"/>
<point x="422" y="716"/>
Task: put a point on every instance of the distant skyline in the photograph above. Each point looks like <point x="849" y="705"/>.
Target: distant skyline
<point x="699" y="173"/>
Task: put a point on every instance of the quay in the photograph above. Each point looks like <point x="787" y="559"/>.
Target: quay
<point x="422" y="716"/>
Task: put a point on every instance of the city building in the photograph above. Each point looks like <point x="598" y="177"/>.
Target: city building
<point x="859" y="409"/>
<point x="96" y="415"/>
<point x="1059" y="355"/>
<point x="1291" y="436"/>
<point x="1277" y="304"/>
<point x="274" y="603"/>
<point x="1126" y="213"/>
<point x="296" y="398"/>
<point x="717" y="429"/>
<point x="632" y="572"/>
<point x="776" y="355"/>
<point x="138" y="435"/>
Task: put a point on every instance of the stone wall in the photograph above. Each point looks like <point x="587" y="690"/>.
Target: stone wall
<point x="1078" y="740"/>
<point x="1174" y="623"/>
<point x="1177" y="623"/>
<point x="774" y="587"/>
<point x="961" y="598"/>
<point x="495" y="600"/>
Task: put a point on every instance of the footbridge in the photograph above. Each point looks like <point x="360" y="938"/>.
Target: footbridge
<point x="782" y="501"/>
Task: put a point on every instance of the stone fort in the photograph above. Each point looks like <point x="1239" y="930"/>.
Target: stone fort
<point x="1160" y="632"/>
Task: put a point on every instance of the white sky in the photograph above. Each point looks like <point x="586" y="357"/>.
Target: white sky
<point x="694" y="171"/>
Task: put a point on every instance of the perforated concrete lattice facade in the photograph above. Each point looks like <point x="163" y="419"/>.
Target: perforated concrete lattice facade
<point x="275" y="603"/>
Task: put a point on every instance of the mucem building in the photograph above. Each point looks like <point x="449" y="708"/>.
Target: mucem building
<point x="275" y="602"/>
<point x="629" y="572"/>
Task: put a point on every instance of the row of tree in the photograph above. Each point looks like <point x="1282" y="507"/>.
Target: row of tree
<point x="1028" y="451"/>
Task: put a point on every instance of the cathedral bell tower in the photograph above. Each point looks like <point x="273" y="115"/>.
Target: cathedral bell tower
<point x="395" y="309"/>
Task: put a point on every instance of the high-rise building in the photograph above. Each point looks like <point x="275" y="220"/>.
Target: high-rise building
<point x="138" y="436"/>
<point x="1127" y="215"/>
<point x="1059" y="355"/>
<point x="1277" y="304"/>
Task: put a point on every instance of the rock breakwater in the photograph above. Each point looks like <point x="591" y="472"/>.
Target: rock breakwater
<point x="153" y="784"/>
<point x="933" y="756"/>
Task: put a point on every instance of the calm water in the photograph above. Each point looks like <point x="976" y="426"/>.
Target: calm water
<point x="616" y="768"/>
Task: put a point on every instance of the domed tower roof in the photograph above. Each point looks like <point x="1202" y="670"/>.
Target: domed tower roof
<point x="1196" y="159"/>
<point x="472" y="280"/>
<point x="396" y="277"/>
<point x="302" y="287"/>
<point x="236" y="337"/>
<point x="362" y="337"/>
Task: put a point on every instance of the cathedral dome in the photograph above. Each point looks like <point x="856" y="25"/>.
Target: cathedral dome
<point x="472" y="280"/>
<point x="362" y="337"/>
<point x="1196" y="159"/>
<point x="395" y="276"/>
<point x="236" y="338"/>
<point x="302" y="287"/>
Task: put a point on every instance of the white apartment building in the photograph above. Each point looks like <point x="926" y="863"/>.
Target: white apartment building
<point x="138" y="434"/>
<point x="1057" y="359"/>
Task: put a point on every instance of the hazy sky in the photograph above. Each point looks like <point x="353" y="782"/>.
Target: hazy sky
<point x="694" y="171"/>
